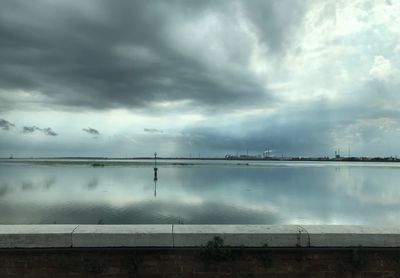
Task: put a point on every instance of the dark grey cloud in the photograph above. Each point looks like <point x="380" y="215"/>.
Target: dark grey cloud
<point x="6" y="125"/>
<point x="288" y="133"/>
<point x="91" y="131"/>
<point x="276" y="20"/>
<point x="125" y="53"/>
<point x="290" y="140"/>
<point x="46" y="131"/>
<point x="29" y="129"/>
<point x="153" y="130"/>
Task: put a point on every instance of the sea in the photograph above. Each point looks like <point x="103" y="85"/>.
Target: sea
<point x="198" y="192"/>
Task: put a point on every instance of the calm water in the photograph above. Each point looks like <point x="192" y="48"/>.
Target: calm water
<point x="206" y="193"/>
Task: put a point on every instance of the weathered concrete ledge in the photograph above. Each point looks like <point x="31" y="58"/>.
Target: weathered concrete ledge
<point x="175" y="236"/>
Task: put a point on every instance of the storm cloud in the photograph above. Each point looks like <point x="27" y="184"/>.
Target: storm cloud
<point x="106" y="55"/>
<point x="6" y="125"/>
<point x="46" y="131"/>
<point x="49" y="132"/>
<point x="91" y="131"/>
<point x="152" y="130"/>
<point x="301" y="77"/>
<point x="29" y="129"/>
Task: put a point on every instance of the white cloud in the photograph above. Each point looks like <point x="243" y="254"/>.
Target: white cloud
<point x="397" y="49"/>
<point x="382" y="69"/>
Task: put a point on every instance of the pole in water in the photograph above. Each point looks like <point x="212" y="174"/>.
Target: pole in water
<point x="155" y="166"/>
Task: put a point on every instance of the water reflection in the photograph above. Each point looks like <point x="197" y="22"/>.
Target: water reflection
<point x="3" y="189"/>
<point x="27" y="186"/>
<point x="155" y="187"/>
<point x="92" y="184"/>
<point x="155" y="174"/>
<point x="49" y="182"/>
<point x="266" y="194"/>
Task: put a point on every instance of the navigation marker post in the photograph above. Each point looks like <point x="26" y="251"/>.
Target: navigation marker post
<point x="155" y="166"/>
<point x="155" y="174"/>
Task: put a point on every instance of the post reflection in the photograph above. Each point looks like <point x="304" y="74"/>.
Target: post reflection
<point x="155" y="174"/>
<point x="155" y="187"/>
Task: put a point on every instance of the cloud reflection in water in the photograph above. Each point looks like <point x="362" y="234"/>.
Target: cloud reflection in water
<point x="272" y="194"/>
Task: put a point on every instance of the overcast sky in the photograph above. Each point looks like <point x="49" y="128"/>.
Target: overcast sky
<point x="127" y="78"/>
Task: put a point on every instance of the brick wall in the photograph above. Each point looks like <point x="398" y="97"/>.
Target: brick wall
<point x="201" y="263"/>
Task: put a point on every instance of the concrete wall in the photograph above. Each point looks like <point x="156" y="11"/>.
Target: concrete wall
<point x="199" y="251"/>
<point x="77" y="236"/>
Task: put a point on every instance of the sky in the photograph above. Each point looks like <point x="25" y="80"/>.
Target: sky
<point x="199" y="78"/>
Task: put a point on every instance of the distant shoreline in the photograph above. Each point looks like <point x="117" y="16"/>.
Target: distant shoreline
<point x="107" y="161"/>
